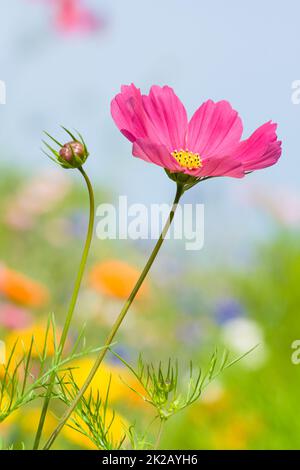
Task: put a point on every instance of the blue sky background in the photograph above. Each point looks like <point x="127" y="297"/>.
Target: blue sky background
<point x="246" y="52"/>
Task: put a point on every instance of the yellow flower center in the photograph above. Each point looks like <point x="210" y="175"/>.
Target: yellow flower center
<point x="187" y="159"/>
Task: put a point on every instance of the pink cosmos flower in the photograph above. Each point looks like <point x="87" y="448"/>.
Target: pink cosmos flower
<point x="74" y="17"/>
<point x="208" y="145"/>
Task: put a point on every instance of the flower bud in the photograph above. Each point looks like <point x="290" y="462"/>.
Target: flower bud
<point x="70" y="155"/>
<point x="72" y="149"/>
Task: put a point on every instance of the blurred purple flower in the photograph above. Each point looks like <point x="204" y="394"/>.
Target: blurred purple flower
<point x="228" y="309"/>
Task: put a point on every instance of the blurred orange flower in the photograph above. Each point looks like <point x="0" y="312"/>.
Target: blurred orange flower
<point x="116" y="278"/>
<point x="21" y="289"/>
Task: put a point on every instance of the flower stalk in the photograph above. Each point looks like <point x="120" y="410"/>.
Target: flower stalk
<point x="160" y="432"/>
<point x="179" y="192"/>
<point x="72" y="306"/>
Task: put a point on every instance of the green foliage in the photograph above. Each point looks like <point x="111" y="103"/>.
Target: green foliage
<point x="20" y="384"/>
<point x="167" y="391"/>
<point x="91" y="417"/>
<point x="162" y="391"/>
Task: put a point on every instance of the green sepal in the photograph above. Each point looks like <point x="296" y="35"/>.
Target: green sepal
<point x="187" y="181"/>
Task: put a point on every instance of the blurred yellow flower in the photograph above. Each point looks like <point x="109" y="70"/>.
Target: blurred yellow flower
<point x="116" y="430"/>
<point x="116" y="278"/>
<point x="29" y="417"/>
<point x="19" y="288"/>
<point x="119" y="376"/>
<point x="23" y="338"/>
<point x="9" y="422"/>
<point x="101" y="380"/>
<point x="236" y="434"/>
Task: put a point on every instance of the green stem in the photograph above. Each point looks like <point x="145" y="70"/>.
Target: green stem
<point x="160" y="431"/>
<point x="71" y="309"/>
<point x="117" y="324"/>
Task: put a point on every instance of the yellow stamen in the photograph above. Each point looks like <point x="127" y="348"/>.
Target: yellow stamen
<point x="187" y="159"/>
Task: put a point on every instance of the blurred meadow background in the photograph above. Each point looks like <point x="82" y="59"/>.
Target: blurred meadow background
<point x="62" y="65"/>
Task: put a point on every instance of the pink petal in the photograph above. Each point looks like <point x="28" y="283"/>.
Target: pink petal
<point x="221" y="166"/>
<point x="269" y="158"/>
<point x="155" y="153"/>
<point x="167" y="116"/>
<point x="128" y="113"/>
<point x="260" y="150"/>
<point x="214" y="129"/>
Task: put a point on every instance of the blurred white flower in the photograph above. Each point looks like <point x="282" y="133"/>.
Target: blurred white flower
<point x="240" y="335"/>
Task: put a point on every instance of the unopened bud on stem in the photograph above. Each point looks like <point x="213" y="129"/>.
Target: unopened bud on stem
<point x="71" y="149"/>
<point x="70" y="155"/>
